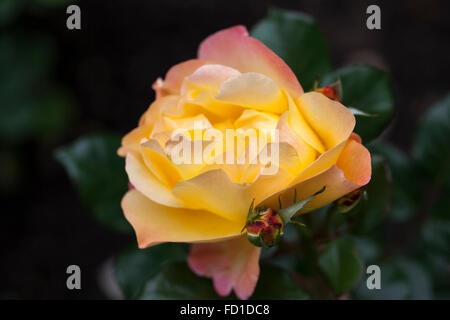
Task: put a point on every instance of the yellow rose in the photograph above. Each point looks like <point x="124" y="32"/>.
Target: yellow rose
<point x="236" y="82"/>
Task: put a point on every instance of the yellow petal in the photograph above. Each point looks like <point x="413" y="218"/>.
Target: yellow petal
<point x="301" y="127"/>
<point x="210" y="104"/>
<point x="252" y="119"/>
<point x="209" y="77"/>
<point x="131" y="141"/>
<point x="306" y="154"/>
<point x="255" y="91"/>
<point x="352" y="171"/>
<point x="154" y="223"/>
<point x="155" y="110"/>
<point x="323" y="162"/>
<point x="149" y="185"/>
<point x="266" y="185"/>
<point x="215" y="192"/>
<point x="159" y="164"/>
<point x="332" y="121"/>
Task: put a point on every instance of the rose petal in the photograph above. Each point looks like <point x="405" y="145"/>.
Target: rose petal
<point x="355" y="162"/>
<point x="305" y="152"/>
<point x="232" y="264"/>
<point x="159" y="164"/>
<point x="154" y="223"/>
<point x="215" y="192"/>
<point x="214" y="107"/>
<point x="301" y="127"/>
<point x="131" y="141"/>
<point x="352" y="171"/>
<point x="208" y="77"/>
<point x="332" y="121"/>
<point x="175" y="76"/>
<point x="234" y="48"/>
<point x="155" y="110"/>
<point x="146" y="182"/>
<point x="253" y="90"/>
<point x="257" y="120"/>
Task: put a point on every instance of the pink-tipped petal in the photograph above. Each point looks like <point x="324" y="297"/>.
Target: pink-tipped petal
<point x="232" y="264"/>
<point x="233" y="47"/>
<point x="175" y="76"/>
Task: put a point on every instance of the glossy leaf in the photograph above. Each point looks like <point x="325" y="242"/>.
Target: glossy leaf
<point x="134" y="267"/>
<point x="369" y="90"/>
<point x="99" y="175"/>
<point x="275" y="283"/>
<point x="177" y="281"/>
<point x="372" y="209"/>
<point x="296" y="38"/>
<point x="341" y="265"/>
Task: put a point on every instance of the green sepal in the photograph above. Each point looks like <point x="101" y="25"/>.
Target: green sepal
<point x="287" y="213"/>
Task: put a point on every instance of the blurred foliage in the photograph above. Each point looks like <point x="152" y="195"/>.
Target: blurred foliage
<point x="35" y="108"/>
<point x="296" y="38"/>
<point x="401" y="222"/>
<point x="134" y="267"/>
<point x="99" y="176"/>
<point x="369" y="213"/>
<point x="367" y="89"/>
<point x="176" y="281"/>
<point x="432" y="148"/>
<point x="33" y="105"/>
<point x="400" y="279"/>
<point x="341" y="265"/>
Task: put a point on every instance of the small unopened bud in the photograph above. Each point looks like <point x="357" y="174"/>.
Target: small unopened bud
<point x="332" y="91"/>
<point x="350" y="200"/>
<point x="265" y="228"/>
<point x="329" y="92"/>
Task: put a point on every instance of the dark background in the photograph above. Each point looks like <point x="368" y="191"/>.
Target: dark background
<point x="108" y="68"/>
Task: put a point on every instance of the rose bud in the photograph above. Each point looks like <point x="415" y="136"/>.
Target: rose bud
<point x="332" y="91"/>
<point x="265" y="228"/>
<point x="350" y="200"/>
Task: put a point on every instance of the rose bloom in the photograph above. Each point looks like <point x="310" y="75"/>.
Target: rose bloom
<point x="236" y="82"/>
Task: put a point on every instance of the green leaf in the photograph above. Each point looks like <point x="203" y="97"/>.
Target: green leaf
<point x="431" y="147"/>
<point x="370" y="212"/>
<point x="400" y="279"/>
<point x="177" y="282"/>
<point x="341" y="265"/>
<point x="275" y="283"/>
<point x="135" y="266"/>
<point x="369" y="90"/>
<point x="99" y="175"/>
<point x="296" y="38"/>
